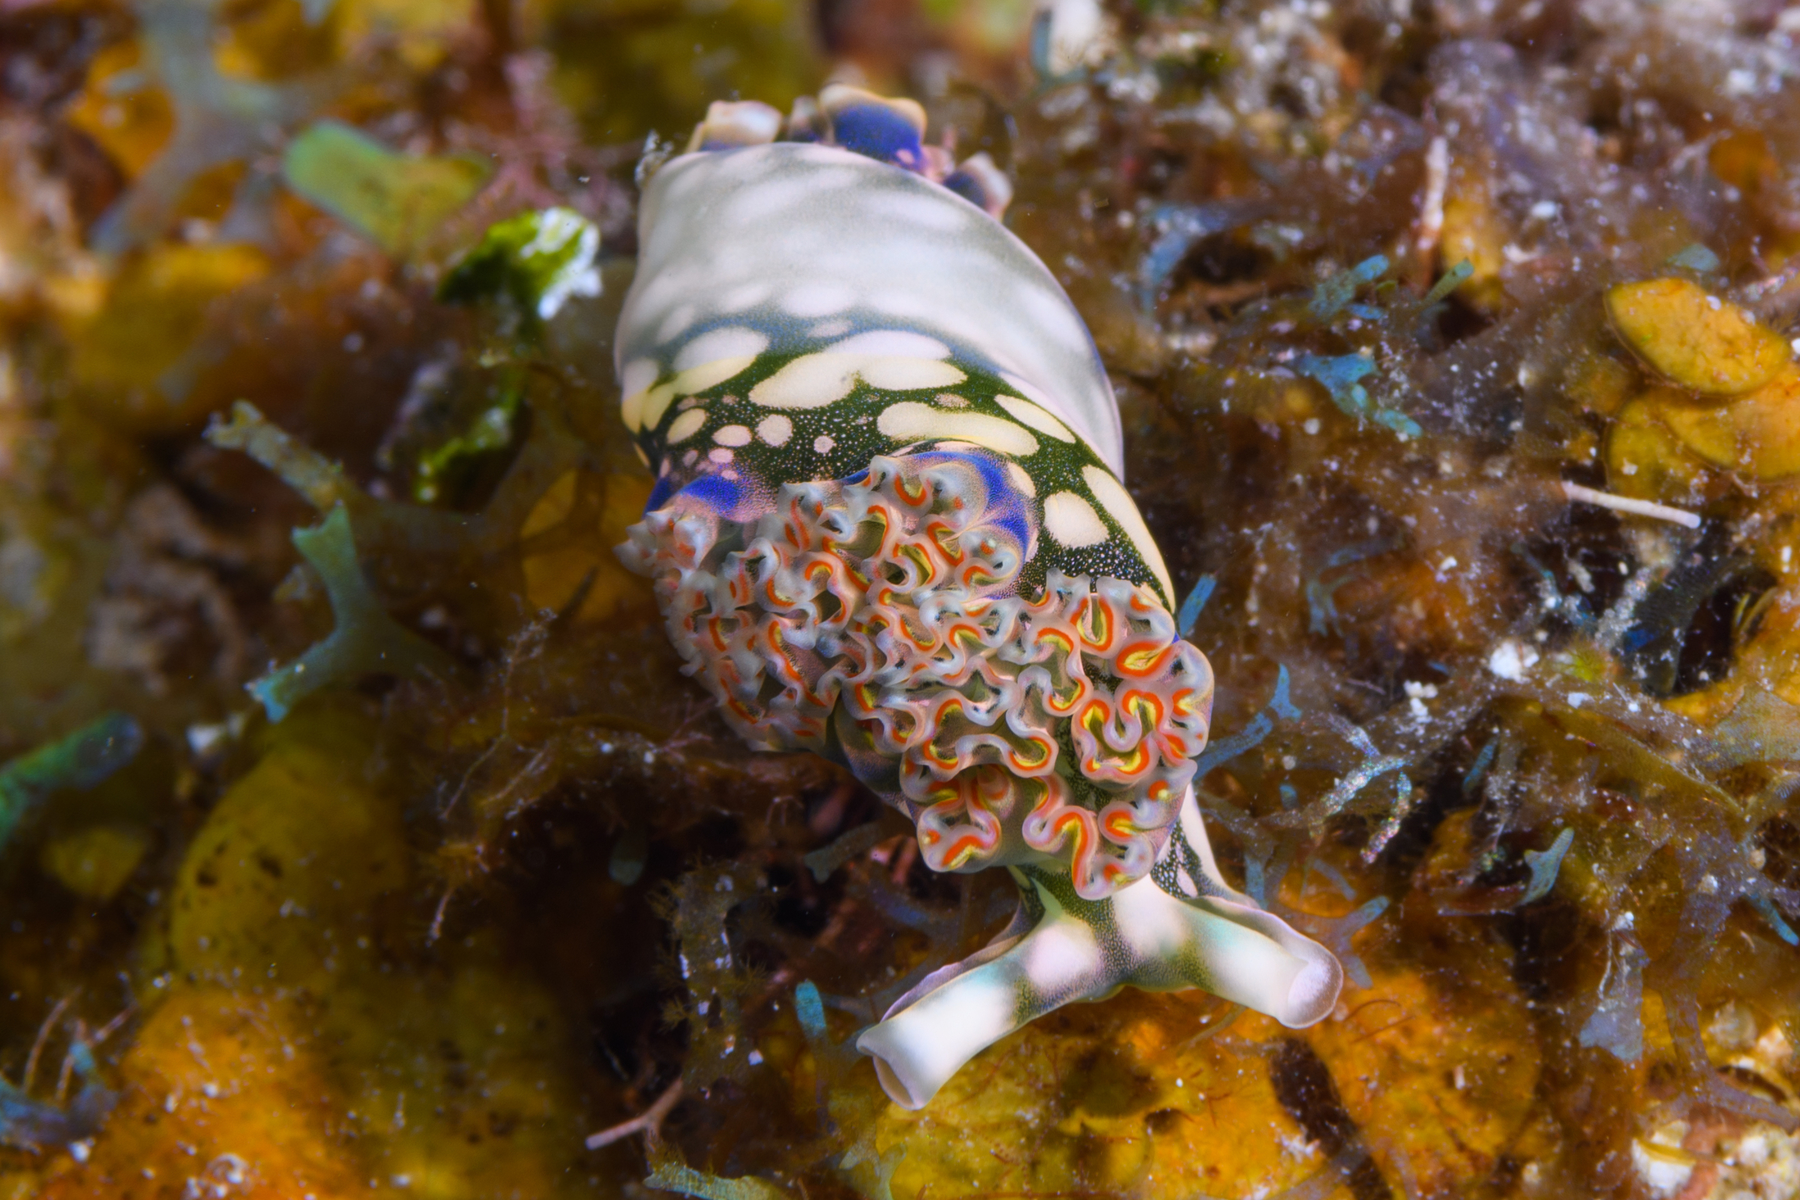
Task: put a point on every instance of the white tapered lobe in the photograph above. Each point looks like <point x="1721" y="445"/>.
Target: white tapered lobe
<point x="1079" y="950"/>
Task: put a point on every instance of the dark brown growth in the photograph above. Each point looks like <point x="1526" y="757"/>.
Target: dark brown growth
<point x="1303" y="1085"/>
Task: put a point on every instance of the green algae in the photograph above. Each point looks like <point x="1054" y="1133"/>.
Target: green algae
<point x="366" y="639"/>
<point x="674" y="1177"/>
<point x="522" y="272"/>
<point x="533" y="263"/>
<point x="396" y="200"/>
<point x="219" y="120"/>
<point x="78" y="761"/>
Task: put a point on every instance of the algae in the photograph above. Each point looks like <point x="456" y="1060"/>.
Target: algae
<point x="394" y="199"/>
<point x="1383" y="294"/>
<point x="78" y="761"/>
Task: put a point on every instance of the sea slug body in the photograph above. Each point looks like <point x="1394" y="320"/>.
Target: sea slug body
<point x="888" y="526"/>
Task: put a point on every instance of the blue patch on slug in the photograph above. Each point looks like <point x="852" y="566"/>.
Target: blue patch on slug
<point x="968" y="187"/>
<point x="1008" y="508"/>
<point x="721" y="495"/>
<point x="878" y="132"/>
<point x="659" y="495"/>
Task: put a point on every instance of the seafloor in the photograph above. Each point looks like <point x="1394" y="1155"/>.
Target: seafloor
<point x="1401" y="300"/>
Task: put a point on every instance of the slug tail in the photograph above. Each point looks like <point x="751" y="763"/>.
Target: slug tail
<point x="1063" y="948"/>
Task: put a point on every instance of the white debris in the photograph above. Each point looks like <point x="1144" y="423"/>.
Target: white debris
<point x="1078" y="35"/>
<point x="1763" y="1164"/>
<point x="1733" y="1027"/>
<point x="1511" y="659"/>
<point x="1625" y="504"/>
<point x="1416" y="695"/>
<point x="1661" y="1163"/>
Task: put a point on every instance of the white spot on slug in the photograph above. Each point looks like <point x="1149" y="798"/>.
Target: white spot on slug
<point x="910" y="420"/>
<point x="1060" y="953"/>
<point x="732" y="435"/>
<point x="655" y="403"/>
<point x="733" y="341"/>
<point x="1029" y="390"/>
<point x="1030" y="414"/>
<point x="1118" y="502"/>
<point x="811" y="381"/>
<point x="686" y="425"/>
<point x="909" y="374"/>
<point x="1073" y="521"/>
<point x="816" y="380"/>
<point x="695" y="378"/>
<point x="710" y="374"/>
<point x="775" y="429"/>
<point x="634" y="381"/>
